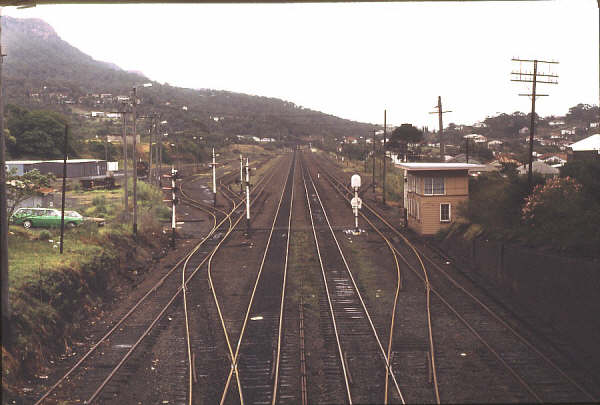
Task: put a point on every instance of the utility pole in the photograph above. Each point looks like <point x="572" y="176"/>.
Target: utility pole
<point x="64" y="189"/>
<point x="3" y="214"/>
<point x="152" y="130"/>
<point x="467" y="148"/>
<point x="248" y="196"/>
<point x="440" y="112"/>
<point x="126" y="176"/>
<point x="160" y="148"/>
<point x="241" y="174"/>
<point x="373" y="181"/>
<point x="134" y="159"/>
<point x="384" y="152"/>
<point x="532" y="78"/>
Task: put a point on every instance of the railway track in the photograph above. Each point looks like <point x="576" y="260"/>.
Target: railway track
<point x="363" y="361"/>
<point x="257" y="352"/>
<point x="92" y="377"/>
<point x="536" y="376"/>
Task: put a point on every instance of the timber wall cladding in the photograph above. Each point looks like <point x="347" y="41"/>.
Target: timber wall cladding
<point x="561" y="292"/>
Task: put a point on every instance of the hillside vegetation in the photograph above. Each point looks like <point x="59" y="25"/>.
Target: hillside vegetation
<point x="42" y="70"/>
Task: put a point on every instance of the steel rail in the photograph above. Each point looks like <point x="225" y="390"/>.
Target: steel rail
<point x="493" y="314"/>
<point x="489" y="311"/>
<point x="151" y="326"/>
<point x="397" y="292"/>
<point x="188" y="337"/>
<point x="125" y="317"/>
<point x="333" y="181"/>
<point x="285" y="268"/>
<point x="239" y="343"/>
<point x="131" y="310"/>
<point x="185" y="310"/>
<point x="335" y="329"/>
<point x="234" y="362"/>
<point x="359" y="295"/>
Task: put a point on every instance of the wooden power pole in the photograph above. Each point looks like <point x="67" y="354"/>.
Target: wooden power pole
<point x="384" y="157"/>
<point x="440" y="112"/>
<point x="373" y="181"/>
<point x="527" y="77"/>
<point x="3" y="217"/>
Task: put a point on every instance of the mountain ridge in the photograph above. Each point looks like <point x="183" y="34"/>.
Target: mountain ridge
<point x="39" y="61"/>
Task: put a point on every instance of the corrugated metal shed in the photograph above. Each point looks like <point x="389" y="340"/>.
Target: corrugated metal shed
<point x="21" y="166"/>
<point x="76" y="168"/>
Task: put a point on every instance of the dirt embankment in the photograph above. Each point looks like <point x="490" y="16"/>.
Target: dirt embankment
<point x="48" y="311"/>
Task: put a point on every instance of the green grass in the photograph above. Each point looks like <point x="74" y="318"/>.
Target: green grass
<point x="50" y="293"/>
<point x="29" y="256"/>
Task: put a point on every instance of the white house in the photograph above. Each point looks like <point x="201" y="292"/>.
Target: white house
<point x="556" y="123"/>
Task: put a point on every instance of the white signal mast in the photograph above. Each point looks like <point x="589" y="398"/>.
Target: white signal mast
<point x="356" y="202"/>
<point x="214" y="178"/>
<point x="248" y="195"/>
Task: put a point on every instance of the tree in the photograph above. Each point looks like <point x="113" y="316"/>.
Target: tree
<point x="20" y="188"/>
<point x="402" y="136"/>
<point x="37" y="133"/>
<point x="586" y="173"/>
<point x="582" y="113"/>
<point x="560" y="215"/>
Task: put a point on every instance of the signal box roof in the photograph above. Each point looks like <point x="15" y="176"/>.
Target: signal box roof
<point x="422" y="166"/>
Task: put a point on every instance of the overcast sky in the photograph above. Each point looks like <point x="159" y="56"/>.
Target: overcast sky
<point x="352" y="60"/>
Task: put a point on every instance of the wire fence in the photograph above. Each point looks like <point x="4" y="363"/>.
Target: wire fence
<point x="561" y="292"/>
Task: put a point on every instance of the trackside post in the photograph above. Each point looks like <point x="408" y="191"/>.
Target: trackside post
<point x="356" y="201"/>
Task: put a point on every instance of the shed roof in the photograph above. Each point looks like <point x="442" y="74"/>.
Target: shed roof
<point x="22" y="162"/>
<point x="75" y="160"/>
<point x="589" y="143"/>
<point x="440" y="166"/>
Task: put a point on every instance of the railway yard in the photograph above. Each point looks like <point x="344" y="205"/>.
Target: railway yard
<point x="296" y="309"/>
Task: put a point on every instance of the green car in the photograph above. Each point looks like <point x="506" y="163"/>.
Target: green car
<point x="43" y="217"/>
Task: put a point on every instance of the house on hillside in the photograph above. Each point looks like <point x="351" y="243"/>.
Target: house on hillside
<point x="494" y="144"/>
<point x="432" y="192"/>
<point x="540" y="168"/>
<point x="553" y="159"/>
<point x="119" y="139"/>
<point x="524" y="131"/>
<point x="476" y="138"/>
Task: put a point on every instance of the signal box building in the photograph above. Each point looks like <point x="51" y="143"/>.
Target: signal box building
<point x="432" y="192"/>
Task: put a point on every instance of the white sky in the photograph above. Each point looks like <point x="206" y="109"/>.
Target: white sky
<point x="352" y="60"/>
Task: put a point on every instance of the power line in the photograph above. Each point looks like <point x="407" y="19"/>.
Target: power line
<point x="532" y="78"/>
<point x="440" y="112"/>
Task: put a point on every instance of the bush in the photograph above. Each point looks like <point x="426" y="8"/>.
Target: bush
<point x="559" y="215"/>
<point x="44" y="235"/>
<point x="147" y="194"/>
<point x="99" y="201"/>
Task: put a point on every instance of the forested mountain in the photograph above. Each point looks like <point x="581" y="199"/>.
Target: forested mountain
<point x="42" y="70"/>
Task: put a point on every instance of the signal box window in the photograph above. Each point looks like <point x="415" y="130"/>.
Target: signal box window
<point x="434" y="186"/>
<point x="445" y="212"/>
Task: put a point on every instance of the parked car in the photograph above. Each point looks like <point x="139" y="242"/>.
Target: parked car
<point x="43" y="217"/>
<point x="75" y="214"/>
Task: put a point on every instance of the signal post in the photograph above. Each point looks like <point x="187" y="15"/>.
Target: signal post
<point x="356" y="202"/>
<point x="248" y="196"/>
<point x="214" y="178"/>
<point x="174" y="201"/>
